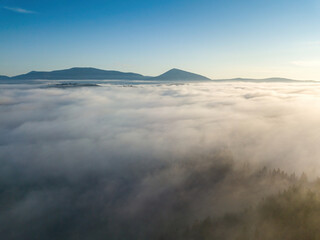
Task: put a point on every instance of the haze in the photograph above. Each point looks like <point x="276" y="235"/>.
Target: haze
<point x="159" y="120"/>
<point x="120" y="161"/>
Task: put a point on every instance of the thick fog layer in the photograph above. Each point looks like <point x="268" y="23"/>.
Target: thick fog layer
<point x="121" y="161"/>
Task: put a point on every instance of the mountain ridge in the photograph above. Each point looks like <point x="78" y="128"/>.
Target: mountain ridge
<point x="79" y="73"/>
<point x="89" y="73"/>
<point x="262" y="80"/>
<point x="3" y="77"/>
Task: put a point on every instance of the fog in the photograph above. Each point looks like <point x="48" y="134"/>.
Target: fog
<point x="126" y="162"/>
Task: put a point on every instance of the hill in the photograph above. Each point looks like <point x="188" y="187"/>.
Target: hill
<point x="263" y="80"/>
<point x="2" y="77"/>
<point x="177" y="74"/>
<point x="80" y="74"/>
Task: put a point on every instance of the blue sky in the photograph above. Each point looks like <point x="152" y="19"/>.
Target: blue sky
<point x="220" y="39"/>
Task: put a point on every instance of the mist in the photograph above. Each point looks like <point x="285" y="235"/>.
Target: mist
<point x="130" y="162"/>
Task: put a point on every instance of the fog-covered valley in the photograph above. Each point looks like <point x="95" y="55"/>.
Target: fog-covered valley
<point x="149" y="161"/>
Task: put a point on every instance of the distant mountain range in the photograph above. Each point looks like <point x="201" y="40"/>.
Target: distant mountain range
<point x="84" y="73"/>
<point x="78" y="73"/>
<point x="274" y="79"/>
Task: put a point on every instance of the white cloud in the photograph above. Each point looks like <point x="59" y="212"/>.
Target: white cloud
<point x="306" y="63"/>
<point x="192" y="118"/>
<point x="19" y="10"/>
<point x="122" y="153"/>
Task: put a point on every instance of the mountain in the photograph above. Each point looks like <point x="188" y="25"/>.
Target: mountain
<point x="177" y="74"/>
<point x="2" y="77"/>
<point x="86" y="73"/>
<point x="78" y="73"/>
<point x="263" y="80"/>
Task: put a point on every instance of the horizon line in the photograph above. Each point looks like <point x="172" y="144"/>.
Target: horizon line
<point x="123" y="71"/>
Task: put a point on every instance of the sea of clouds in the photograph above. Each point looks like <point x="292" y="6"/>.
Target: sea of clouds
<point x="114" y="161"/>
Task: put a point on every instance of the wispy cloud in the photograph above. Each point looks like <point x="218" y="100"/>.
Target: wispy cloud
<point x="19" y="10"/>
<point x="306" y="63"/>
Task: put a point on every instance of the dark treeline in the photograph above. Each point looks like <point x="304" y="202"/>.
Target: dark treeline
<point x="293" y="214"/>
<point x="187" y="200"/>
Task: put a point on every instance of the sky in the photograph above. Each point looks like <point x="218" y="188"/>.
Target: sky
<point x="217" y="38"/>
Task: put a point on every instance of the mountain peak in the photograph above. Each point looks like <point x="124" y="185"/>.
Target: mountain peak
<point x="174" y="69"/>
<point x="178" y="74"/>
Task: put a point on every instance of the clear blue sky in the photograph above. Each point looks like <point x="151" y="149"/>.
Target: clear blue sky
<point x="217" y="38"/>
